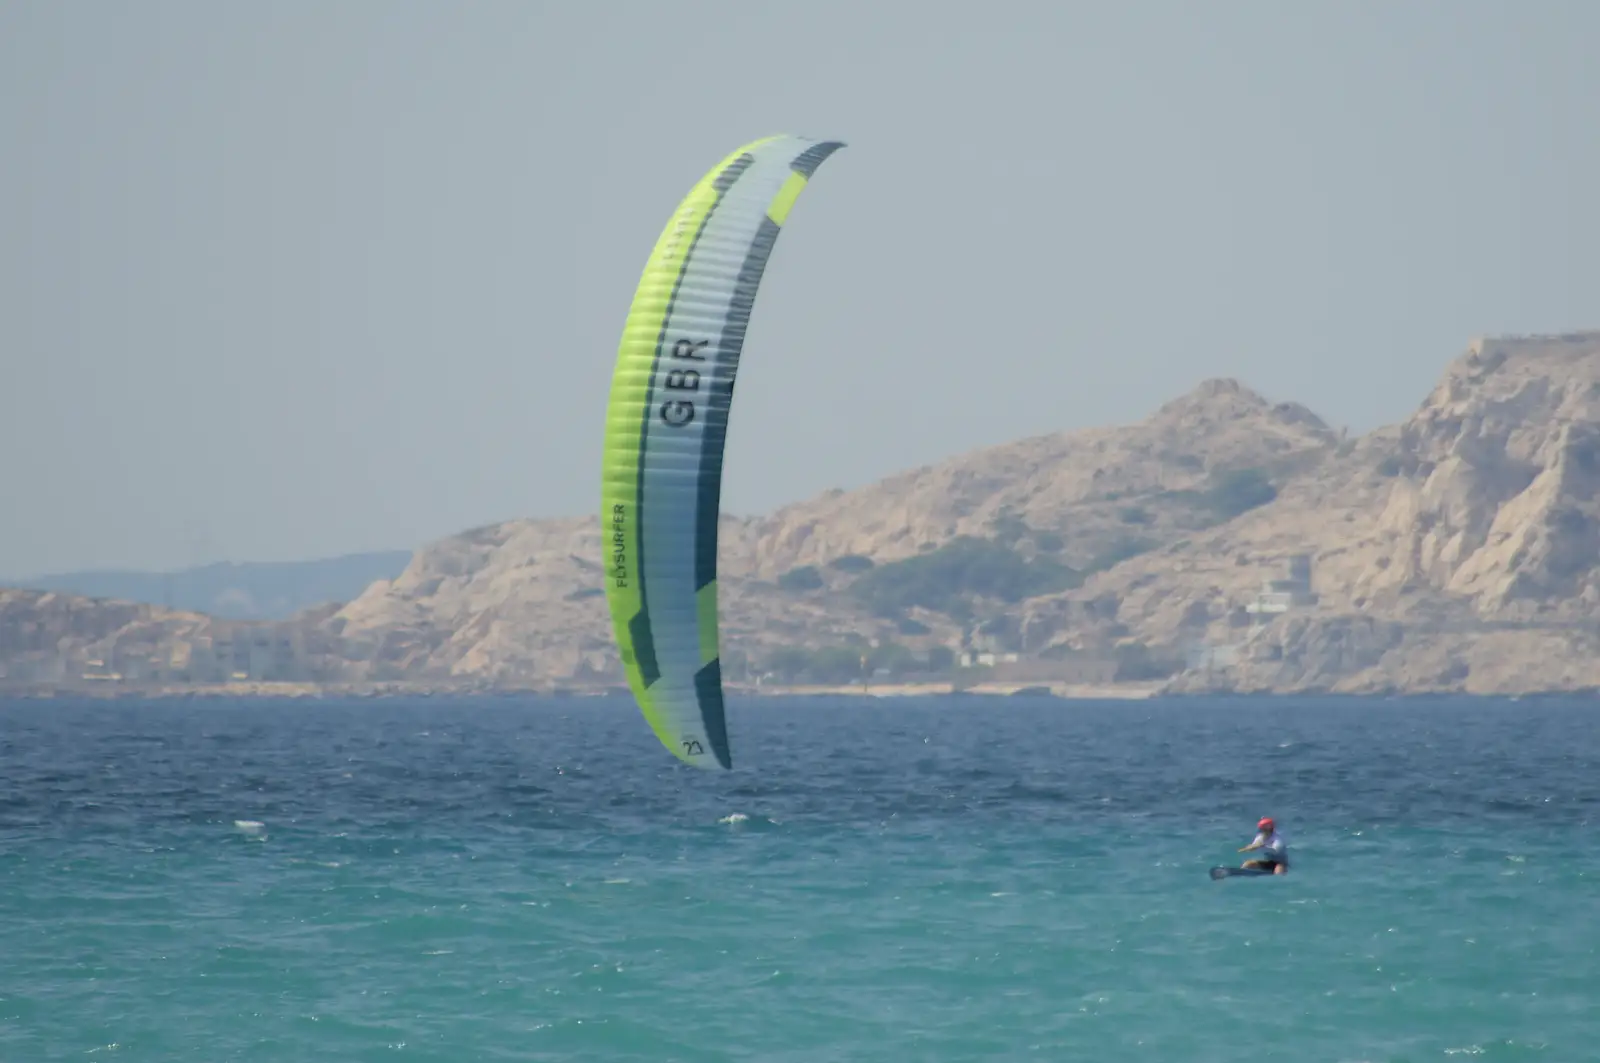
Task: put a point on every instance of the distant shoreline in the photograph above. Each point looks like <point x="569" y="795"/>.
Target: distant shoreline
<point x="96" y="691"/>
<point x="1130" y="691"/>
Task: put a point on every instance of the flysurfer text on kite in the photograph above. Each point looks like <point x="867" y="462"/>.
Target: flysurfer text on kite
<point x="619" y="549"/>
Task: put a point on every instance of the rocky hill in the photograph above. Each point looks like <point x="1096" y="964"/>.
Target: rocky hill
<point x="1454" y="551"/>
<point x="521" y="601"/>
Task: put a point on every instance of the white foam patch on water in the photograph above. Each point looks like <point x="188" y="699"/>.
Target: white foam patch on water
<point x="315" y="863"/>
<point x="253" y="829"/>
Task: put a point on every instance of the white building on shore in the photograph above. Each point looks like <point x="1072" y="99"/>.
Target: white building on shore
<point x="1283" y="595"/>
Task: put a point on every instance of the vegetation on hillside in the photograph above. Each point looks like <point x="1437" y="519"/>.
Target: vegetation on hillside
<point x="1237" y="491"/>
<point x="804" y="578"/>
<point x="1119" y="550"/>
<point x="948" y="578"/>
<point x="1227" y="494"/>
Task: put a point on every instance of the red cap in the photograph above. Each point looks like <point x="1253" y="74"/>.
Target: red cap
<point x="1266" y="823"/>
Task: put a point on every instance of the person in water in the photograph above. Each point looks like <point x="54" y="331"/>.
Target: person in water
<point x="1274" y="849"/>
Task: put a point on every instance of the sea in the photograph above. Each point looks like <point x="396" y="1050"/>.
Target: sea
<point x="895" y="879"/>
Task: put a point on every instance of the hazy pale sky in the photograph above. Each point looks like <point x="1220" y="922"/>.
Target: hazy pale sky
<point x="295" y="279"/>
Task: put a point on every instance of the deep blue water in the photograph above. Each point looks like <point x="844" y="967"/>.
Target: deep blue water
<point x="921" y="879"/>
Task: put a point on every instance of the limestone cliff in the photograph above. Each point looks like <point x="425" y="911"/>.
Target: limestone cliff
<point x="1495" y="498"/>
<point x="1457" y="550"/>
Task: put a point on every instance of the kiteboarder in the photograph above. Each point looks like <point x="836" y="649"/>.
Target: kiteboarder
<point x="1275" y="849"/>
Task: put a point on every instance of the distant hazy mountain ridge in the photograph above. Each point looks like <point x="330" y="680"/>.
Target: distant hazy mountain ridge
<point x="239" y="591"/>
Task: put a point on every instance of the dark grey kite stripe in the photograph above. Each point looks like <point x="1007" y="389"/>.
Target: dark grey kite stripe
<point x="708" y="691"/>
<point x="806" y="163"/>
<point x="734" y="326"/>
<point x="724" y="180"/>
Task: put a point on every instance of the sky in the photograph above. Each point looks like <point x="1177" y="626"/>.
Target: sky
<point x="291" y="280"/>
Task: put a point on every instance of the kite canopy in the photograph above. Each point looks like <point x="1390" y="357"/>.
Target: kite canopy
<point x="665" y="426"/>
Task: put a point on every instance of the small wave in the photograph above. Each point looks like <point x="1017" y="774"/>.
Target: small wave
<point x="743" y="821"/>
<point x="315" y="863"/>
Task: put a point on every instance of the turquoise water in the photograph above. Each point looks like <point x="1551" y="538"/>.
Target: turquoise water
<point x="939" y="879"/>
